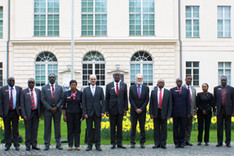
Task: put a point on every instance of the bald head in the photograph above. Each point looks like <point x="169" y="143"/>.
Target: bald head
<point x="160" y="83"/>
<point x="178" y="82"/>
<point x="139" y="79"/>
<point x="11" y="81"/>
<point x="93" y="79"/>
<point x="31" y="83"/>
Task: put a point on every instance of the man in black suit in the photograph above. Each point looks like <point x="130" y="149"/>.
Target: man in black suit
<point x="52" y="99"/>
<point x="139" y="98"/>
<point x="224" y="101"/>
<point x="116" y="108"/>
<point x="9" y="111"/>
<point x="93" y="110"/>
<point x="31" y="110"/>
<point x="180" y="112"/>
<point x="160" y="111"/>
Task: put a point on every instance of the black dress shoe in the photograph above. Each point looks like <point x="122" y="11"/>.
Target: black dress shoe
<point x="219" y="145"/>
<point x="142" y="146"/>
<point x="207" y="143"/>
<point x="188" y="144"/>
<point x="121" y="146"/>
<point x="89" y="148"/>
<point x="46" y="148"/>
<point x="36" y="148"/>
<point x="112" y="146"/>
<point x="17" y="148"/>
<point x="181" y="146"/>
<point x="27" y="148"/>
<point x="59" y="148"/>
<point x="199" y="143"/>
<point x="6" y="148"/>
<point x="132" y="145"/>
<point x="98" y="148"/>
<point x="156" y="146"/>
<point x="228" y="145"/>
<point x="163" y="147"/>
<point x="177" y="146"/>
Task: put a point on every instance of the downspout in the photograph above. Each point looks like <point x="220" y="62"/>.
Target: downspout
<point x="180" y="41"/>
<point x="8" y="41"/>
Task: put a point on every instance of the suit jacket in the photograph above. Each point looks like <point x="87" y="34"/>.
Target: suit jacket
<point x="93" y="104"/>
<point x="26" y="105"/>
<point x="180" y="102"/>
<point x="116" y="104"/>
<point x="229" y="99"/>
<point x="46" y="97"/>
<point x="4" y="100"/>
<point x="166" y="103"/>
<point x="70" y="105"/>
<point x="193" y="104"/>
<point x="137" y="102"/>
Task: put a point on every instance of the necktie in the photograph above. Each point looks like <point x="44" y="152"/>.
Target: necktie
<point x="53" y="93"/>
<point x="180" y="90"/>
<point x="117" y="89"/>
<point x="190" y="95"/>
<point x="73" y="95"/>
<point x="93" y="92"/>
<point x="33" y="101"/>
<point x="11" y="99"/>
<point x="160" y="99"/>
<point x="139" y="91"/>
<point x="224" y="96"/>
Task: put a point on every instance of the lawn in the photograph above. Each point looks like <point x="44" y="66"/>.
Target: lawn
<point x="213" y="135"/>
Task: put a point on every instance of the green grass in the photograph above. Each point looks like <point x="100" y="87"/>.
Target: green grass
<point x="106" y="141"/>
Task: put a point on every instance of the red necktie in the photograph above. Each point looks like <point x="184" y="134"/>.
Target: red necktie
<point x="117" y="89"/>
<point x="11" y="100"/>
<point x="160" y="99"/>
<point x="224" y="96"/>
<point x="53" y="93"/>
<point x="33" y="101"/>
<point x="139" y="91"/>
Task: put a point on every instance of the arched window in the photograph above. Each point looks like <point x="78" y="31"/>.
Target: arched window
<point x="141" y="62"/>
<point x="94" y="63"/>
<point x="46" y="63"/>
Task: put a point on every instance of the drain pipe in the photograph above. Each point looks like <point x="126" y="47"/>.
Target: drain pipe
<point x="8" y="41"/>
<point x="180" y="41"/>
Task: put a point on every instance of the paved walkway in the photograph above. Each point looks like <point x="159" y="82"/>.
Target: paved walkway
<point x="194" y="150"/>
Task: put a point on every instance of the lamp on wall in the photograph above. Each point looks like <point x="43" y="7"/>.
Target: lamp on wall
<point x="117" y="67"/>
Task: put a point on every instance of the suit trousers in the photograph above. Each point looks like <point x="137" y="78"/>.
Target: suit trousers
<point x="189" y="126"/>
<point x="160" y="130"/>
<point x="141" y="118"/>
<point x="220" y="118"/>
<point x="116" y="121"/>
<point x="73" y="128"/>
<point x="11" y="119"/>
<point x="179" y="126"/>
<point x="48" y="115"/>
<point x="31" y="129"/>
<point x="97" y="123"/>
<point x="201" y="118"/>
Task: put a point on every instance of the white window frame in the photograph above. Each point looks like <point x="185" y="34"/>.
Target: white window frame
<point x="192" y="21"/>
<point x="94" y="19"/>
<point x="142" y="13"/>
<point x="224" y="71"/>
<point x="1" y="73"/>
<point x="192" y="74"/>
<point x="46" y="20"/>
<point x="1" y="19"/>
<point x="224" y="19"/>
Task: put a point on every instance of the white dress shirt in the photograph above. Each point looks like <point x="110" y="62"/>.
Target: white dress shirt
<point x="14" y="94"/>
<point x="115" y="86"/>
<point x="93" y="89"/>
<point x="190" y="89"/>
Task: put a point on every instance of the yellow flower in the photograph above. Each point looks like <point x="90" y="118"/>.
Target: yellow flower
<point x="214" y="120"/>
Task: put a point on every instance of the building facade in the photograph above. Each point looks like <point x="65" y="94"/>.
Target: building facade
<point x="130" y="36"/>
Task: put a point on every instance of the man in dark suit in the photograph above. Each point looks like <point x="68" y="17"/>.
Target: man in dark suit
<point x="52" y="99"/>
<point x="160" y="111"/>
<point x="192" y="99"/>
<point x="31" y="109"/>
<point x="9" y="111"/>
<point x="224" y="101"/>
<point x="93" y="110"/>
<point x="116" y="108"/>
<point x="180" y="111"/>
<point x="139" y="98"/>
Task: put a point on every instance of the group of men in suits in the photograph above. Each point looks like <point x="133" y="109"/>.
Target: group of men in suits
<point x="178" y="102"/>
